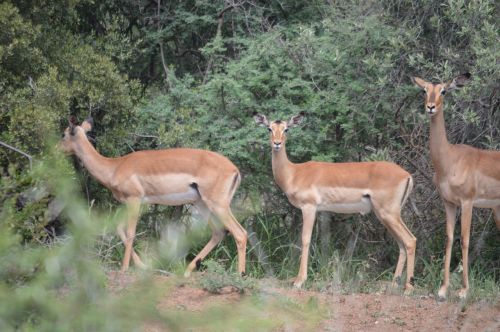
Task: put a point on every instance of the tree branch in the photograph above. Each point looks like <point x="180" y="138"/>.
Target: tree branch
<point x="162" y="54"/>
<point x="30" y="158"/>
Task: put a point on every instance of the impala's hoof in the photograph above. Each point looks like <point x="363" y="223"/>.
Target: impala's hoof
<point x="396" y="282"/>
<point x="441" y="298"/>
<point x="298" y="283"/>
<point x="462" y="294"/>
<point x="408" y="289"/>
<point x="442" y="294"/>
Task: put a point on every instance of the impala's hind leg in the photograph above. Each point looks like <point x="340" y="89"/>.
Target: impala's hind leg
<point x="391" y="219"/>
<point x="241" y="243"/>
<point x="410" y="242"/>
<point x="218" y="198"/>
<point x="217" y="236"/>
<point x="223" y="213"/>
<point x="391" y="211"/>
<point x="396" y="281"/>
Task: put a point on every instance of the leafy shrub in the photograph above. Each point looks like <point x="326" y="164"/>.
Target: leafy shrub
<point x="216" y="277"/>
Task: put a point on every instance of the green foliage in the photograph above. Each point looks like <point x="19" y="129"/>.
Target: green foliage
<point x="483" y="285"/>
<point x="346" y="64"/>
<point x="19" y="54"/>
<point x="216" y="278"/>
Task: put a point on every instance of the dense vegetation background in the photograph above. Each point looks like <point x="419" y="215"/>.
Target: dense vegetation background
<point x="159" y="74"/>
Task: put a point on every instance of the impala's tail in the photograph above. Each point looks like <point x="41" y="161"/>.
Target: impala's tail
<point x="234" y="185"/>
<point x="408" y="189"/>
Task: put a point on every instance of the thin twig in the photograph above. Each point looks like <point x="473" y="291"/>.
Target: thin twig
<point x="30" y="158"/>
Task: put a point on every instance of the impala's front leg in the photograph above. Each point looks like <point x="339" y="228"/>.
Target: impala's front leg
<point x="451" y="213"/>
<point x="465" y="234"/>
<point x="308" y="215"/>
<point x="123" y="236"/>
<point x="133" y="208"/>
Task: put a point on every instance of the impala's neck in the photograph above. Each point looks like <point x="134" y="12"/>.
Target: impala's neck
<point x="439" y="145"/>
<point x="282" y="168"/>
<point x="100" y="167"/>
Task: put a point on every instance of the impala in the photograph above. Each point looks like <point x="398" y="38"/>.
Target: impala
<point x="169" y="177"/>
<point x="466" y="177"/>
<point x="382" y="187"/>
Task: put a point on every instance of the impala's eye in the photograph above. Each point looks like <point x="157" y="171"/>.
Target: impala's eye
<point x="443" y="92"/>
<point x="286" y="130"/>
<point x="270" y="130"/>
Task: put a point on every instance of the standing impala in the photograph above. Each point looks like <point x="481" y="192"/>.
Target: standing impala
<point x="169" y="177"/>
<point x="465" y="176"/>
<point x="343" y="188"/>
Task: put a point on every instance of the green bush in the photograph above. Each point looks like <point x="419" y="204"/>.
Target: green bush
<point x="346" y="64"/>
<point x="216" y="278"/>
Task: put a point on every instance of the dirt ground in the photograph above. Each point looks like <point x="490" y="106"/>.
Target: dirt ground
<point x="274" y="307"/>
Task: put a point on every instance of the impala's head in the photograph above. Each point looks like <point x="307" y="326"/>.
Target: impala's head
<point x="278" y="129"/>
<point x="73" y="133"/>
<point x="434" y="93"/>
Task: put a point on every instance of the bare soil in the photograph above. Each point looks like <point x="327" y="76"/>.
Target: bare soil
<point x="272" y="306"/>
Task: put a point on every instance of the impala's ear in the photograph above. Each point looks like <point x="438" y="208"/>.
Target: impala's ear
<point x="295" y="120"/>
<point x="458" y="81"/>
<point x="260" y="119"/>
<point x="72" y="120"/>
<point x="419" y="82"/>
<point x="88" y="124"/>
<point x="72" y="123"/>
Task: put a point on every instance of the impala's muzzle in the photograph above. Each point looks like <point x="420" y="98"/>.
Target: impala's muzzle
<point x="277" y="146"/>
<point x="431" y="109"/>
<point x="61" y="146"/>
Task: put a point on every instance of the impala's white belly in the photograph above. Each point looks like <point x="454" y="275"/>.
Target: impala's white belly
<point x="488" y="192"/>
<point x="486" y="203"/>
<point x="169" y="189"/>
<point x="179" y="198"/>
<point x="364" y="206"/>
<point x="345" y="200"/>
